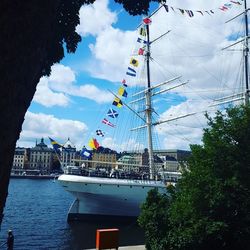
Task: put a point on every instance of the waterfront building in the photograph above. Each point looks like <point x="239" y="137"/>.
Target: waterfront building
<point x="174" y="159"/>
<point x="103" y="159"/>
<point x="167" y="159"/>
<point x="138" y="162"/>
<point x="171" y="164"/>
<point x="20" y="159"/>
<point x="179" y="155"/>
<point x="41" y="157"/>
<point x="128" y="163"/>
<point x="68" y="154"/>
<point x="158" y="162"/>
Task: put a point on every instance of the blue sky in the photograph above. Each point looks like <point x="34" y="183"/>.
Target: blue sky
<point x="72" y="101"/>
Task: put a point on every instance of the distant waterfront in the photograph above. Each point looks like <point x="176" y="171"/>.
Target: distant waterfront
<point x="36" y="211"/>
<point x="17" y="176"/>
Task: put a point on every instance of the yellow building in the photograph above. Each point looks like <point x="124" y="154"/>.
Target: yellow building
<point x="103" y="160"/>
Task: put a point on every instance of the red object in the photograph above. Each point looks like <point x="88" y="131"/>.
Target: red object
<point x="107" y="238"/>
<point x="96" y="144"/>
<point x="223" y="8"/>
<point x="147" y="20"/>
<point x="141" y="51"/>
<point x="105" y="121"/>
<point x="124" y="83"/>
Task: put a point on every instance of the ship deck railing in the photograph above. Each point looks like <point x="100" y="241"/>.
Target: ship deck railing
<point x="171" y="177"/>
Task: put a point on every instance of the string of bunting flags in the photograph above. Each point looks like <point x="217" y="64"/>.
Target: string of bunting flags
<point x="132" y="72"/>
<point x="225" y="7"/>
<point x="112" y="113"/>
<point x="122" y="90"/>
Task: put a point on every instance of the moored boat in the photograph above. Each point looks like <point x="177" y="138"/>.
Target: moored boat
<point x="109" y="197"/>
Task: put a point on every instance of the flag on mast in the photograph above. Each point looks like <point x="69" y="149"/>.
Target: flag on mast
<point x="105" y="121"/>
<point x="140" y="51"/>
<point x="122" y="92"/>
<point x="112" y="113"/>
<point x="124" y="83"/>
<point x="85" y="153"/>
<point x="99" y="132"/>
<point x="93" y="143"/>
<point x="117" y="102"/>
<point x="131" y="72"/>
<point x="134" y="62"/>
<point x="56" y="146"/>
<point x="147" y="20"/>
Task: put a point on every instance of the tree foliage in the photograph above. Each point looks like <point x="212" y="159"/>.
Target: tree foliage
<point x="135" y="7"/>
<point x="209" y="208"/>
<point x="155" y="219"/>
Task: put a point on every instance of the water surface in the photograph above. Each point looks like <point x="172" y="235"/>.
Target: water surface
<point x="36" y="211"/>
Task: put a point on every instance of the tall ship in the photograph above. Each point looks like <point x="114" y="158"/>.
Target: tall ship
<point x="120" y="193"/>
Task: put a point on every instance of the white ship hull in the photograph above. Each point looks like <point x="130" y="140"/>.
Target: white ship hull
<point x="107" y="196"/>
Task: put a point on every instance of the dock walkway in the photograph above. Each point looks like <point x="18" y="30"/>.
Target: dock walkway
<point x="139" y="247"/>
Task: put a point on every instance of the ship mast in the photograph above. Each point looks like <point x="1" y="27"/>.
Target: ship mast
<point x="245" y="95"/>
<point x="148" y="110"/>
<point x="246" y="51"/>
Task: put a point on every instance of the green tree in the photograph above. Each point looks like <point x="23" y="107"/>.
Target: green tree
<point x="33" y="34"/>
<point x="154" y="219"/>
<point x="209" y="208"/>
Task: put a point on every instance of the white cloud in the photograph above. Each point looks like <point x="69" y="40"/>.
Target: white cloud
<point x="95" y="18"/>
<point x="45" y="96"/>
<point x="93" y="93"/>
<point x="125" y="145"/>
<point x="62" y="74"/>
<point x="62" y="79"/>
<point x="60" y="87"/>
<point x="109" y="142"/>
<point x="192" y="48"/>
<point x="112" y="48"/>
<point x="111" y="54"/>
<point x="184" y="131"/>
<point x="42" y="125"/>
